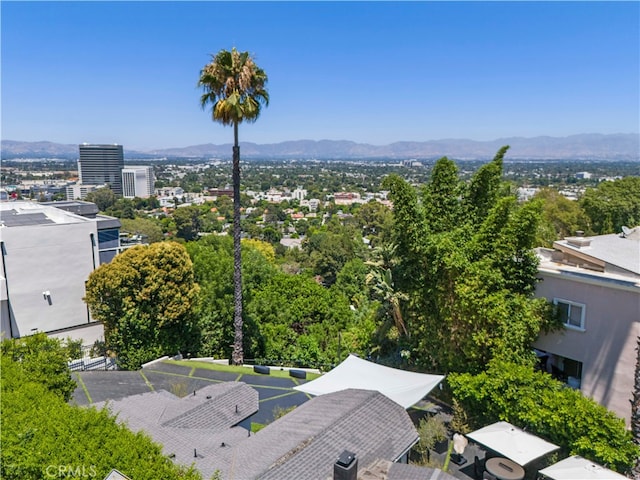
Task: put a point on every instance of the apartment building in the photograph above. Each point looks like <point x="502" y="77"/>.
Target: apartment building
<point x="595" y="283"/>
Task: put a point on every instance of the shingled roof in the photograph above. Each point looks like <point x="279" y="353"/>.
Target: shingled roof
<point x="201" y="429"/>
<point x="198" y="428"/>
<point x="305" y="443"/>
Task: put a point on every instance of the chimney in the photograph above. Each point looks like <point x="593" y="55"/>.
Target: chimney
<point x="346" y="467"/>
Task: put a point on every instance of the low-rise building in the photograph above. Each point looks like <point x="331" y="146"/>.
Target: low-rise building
<point x="205" y="429"/>
<point x="79" y="191"/>
<point x="595" y="284"/>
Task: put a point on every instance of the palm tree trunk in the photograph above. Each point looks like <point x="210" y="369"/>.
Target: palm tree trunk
<point x="237" y="356"/>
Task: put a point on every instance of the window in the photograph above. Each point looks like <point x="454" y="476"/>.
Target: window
<point x="571" y="313"/>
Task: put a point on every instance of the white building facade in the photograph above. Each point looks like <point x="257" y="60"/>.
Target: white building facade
<point x="79" y="191"/>
<point x="137" y="181"/>
<point x="47" y="256"/>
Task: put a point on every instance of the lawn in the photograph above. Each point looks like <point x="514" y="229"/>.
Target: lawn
<point x="275" y="372"/>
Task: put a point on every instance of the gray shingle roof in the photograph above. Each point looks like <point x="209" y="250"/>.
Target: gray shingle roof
<point x="305" y="443"/>
<point x="386" y="470"/>
<point x="192" y="429"/>
<point x="229" y="404"/>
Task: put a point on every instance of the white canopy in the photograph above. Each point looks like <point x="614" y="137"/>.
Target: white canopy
<point x="404" y="388"/>
<point x="512" y="442"/>
<point x="578" y="468"/>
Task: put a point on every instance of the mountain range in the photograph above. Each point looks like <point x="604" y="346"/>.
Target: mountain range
<point x="575" y="147"/>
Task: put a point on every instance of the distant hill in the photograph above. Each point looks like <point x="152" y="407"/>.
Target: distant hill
<point x="575" y="147"/>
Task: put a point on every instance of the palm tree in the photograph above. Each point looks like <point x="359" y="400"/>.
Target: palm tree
<point x="234" y="86"/>
<point x="380" y="280"/>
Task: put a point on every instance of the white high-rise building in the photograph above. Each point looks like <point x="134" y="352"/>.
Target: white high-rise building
<point x="137" y="181"/>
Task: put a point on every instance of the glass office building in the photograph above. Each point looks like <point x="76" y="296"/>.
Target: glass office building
<point x="101" y="164"/>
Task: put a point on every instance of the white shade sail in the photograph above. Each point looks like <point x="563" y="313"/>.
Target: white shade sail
<point x="578" y="468"/>
<point x="404" y="388"/>
<point x="512" y="442"/>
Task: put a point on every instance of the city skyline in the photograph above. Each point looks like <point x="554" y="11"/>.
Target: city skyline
<point x="370" y="72"/>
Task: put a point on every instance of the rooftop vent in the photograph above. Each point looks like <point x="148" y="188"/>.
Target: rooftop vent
<point x="579" y="241"/>
<point x="346" y="467"/>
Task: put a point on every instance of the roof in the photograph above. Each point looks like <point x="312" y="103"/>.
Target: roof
<point x="107" y="222"/>
<point x="305" y="443"/>
<point x="403" y="387"/>
<point x="616" y="250"/>
<point x="79" y="207"/>
<point x="386" y="470"/>
<point x="195" y="429"/>
<point x="22" y="213"/>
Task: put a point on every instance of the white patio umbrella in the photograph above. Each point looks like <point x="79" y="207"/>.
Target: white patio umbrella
<point x="512" y="442"/>
<point x="578" y="468"/>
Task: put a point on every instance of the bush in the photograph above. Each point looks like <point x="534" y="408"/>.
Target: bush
<point x="546" y="407"/>
<point x="42" y="436"/>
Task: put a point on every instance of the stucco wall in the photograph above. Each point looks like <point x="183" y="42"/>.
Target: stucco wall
<point x="607" y="346"/>
<point x="54" y="258"/>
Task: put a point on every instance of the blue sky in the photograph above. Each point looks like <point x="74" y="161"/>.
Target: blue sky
<point x="372" y="72"/>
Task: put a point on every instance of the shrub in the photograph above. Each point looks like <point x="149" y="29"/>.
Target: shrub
<point x="546" y="407"/>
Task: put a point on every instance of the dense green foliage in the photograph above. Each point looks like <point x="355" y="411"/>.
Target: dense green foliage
<point x="561" y="217"/>
<point x="612" y="205"/>
<point x="104" y="198"/>
<point x="146" y="298"/>
<point x="147" y="228"/>
<point x="212" y="259"/>
<point x="299" y="320"/>
<point x="465" y="262"/>
<point x="289" y="318"/>
<point x="42" y="436"/>
<point x="41" y="360"/>
<point x="544" y="406"/>
<point x="328" y="250"/>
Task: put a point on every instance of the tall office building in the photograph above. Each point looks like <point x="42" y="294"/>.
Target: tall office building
<point x="100" y="164"/>
<point x="137" y="182"/>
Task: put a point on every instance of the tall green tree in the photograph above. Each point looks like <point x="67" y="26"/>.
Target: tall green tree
<point x="441" y="197"/>
<point x="465" y="261"/>
<point x="234" y="86"/>
<point x="143" y="226"/>
<point x="328" y="251"/>
<point x="561" y="217"/>
<point x="146" y="299"/>
<point x="102" y="197"/>
<point x="188" y="222"/>
<point x="303" y="330"/>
